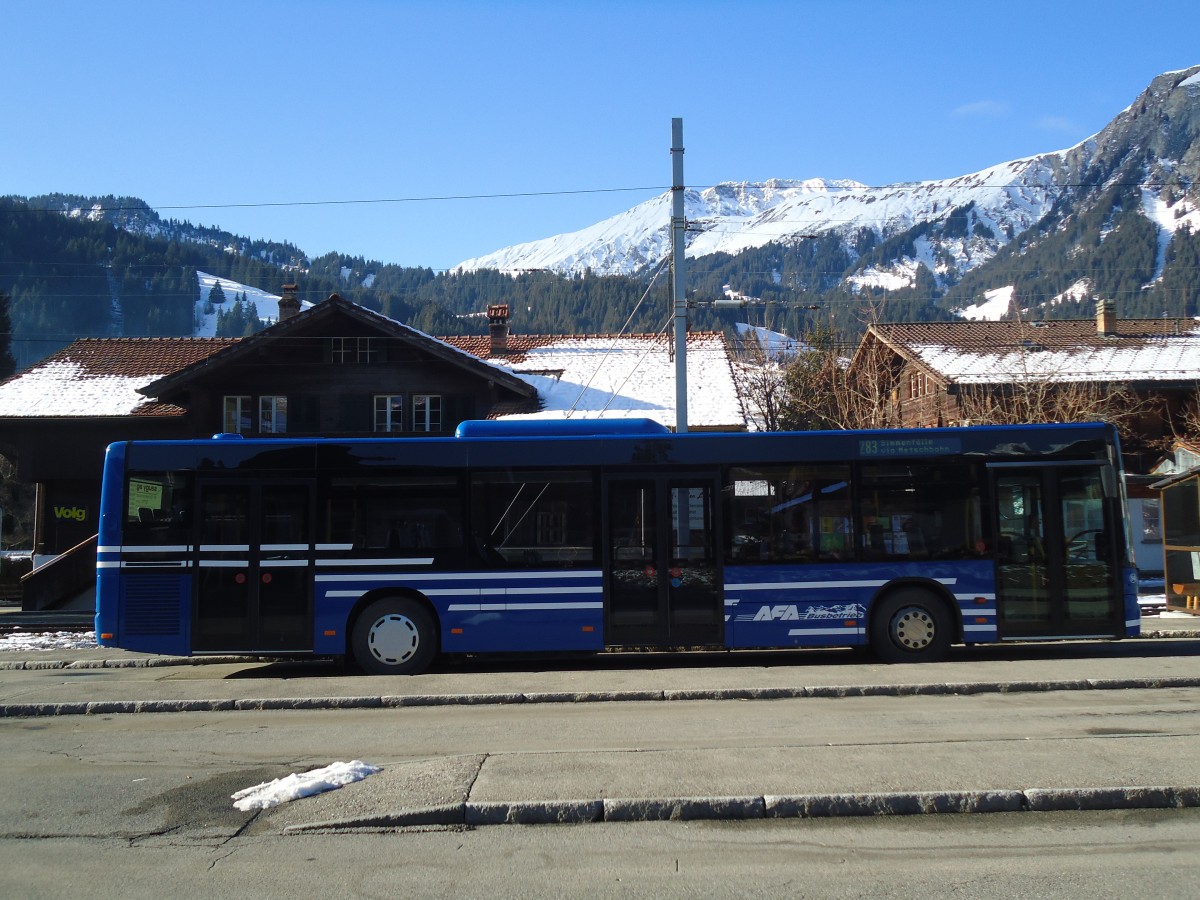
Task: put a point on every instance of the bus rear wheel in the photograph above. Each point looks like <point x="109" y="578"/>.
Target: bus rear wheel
<point x="911" y="625"/>
<point x="394" y="636"/>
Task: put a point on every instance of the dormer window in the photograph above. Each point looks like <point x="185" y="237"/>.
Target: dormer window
<point x="356" y="350"/>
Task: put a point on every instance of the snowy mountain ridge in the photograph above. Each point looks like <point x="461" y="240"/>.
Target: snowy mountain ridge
<point x="735" y="216"/>
<point x="960" y="223"/>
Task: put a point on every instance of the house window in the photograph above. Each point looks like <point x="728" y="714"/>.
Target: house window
<point x="237" y="415"/>
<point x="427" y="412"/>
<point x="389" y="412"/>
<point x="272" y="415"/>
<point x="919" y="385"/>
<point x="1151" y="531"/>
<point x="356" y="350"/>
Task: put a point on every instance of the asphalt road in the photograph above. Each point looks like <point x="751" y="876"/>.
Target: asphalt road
<point x="98" y="799"/>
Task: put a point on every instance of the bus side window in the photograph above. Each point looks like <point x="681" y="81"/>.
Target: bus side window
<point x="920" y="511"/>
<point x="788" y="513"/>
<point x="413" y="515"/>
<point x="533" y="518"/>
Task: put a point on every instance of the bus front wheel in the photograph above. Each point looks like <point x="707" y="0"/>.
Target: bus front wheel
<point x="911" y="625"/>
<point x="394" y="637"/>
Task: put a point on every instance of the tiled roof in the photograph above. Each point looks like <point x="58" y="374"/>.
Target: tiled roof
<point x="566" y="375"/>
<point x="101" y="376"/>
<point x="139" y="356"/>
<point x="317" y="321"/>
<point x="1140" y="350"/>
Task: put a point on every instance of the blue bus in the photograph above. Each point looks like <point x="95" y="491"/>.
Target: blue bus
<point x="591" y="536"/>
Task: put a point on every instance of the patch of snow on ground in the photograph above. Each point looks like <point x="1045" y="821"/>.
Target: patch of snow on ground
<point x="293" y="787"/>
<point x="48" y="640"/>
<point x="1169" y="219"/>
<point x="994" y="307"/>
<point x="266" y="305"/>
<point x="1080" y="290"/>
<point x="898" y="279"/>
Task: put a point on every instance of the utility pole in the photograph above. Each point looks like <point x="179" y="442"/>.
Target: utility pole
<point x="678" y="227"/>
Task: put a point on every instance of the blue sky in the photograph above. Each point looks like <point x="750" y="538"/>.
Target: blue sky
<point x="272" y="119"/>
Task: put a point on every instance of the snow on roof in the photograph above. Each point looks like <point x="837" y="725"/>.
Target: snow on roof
<point x="1166" y="359"/>
<point x="101" y="377"/>
<point x="66" y="388"/>
<point x="574" y="375"/>
<point x="604" y="376"/>
<point x="1007" y="352"/>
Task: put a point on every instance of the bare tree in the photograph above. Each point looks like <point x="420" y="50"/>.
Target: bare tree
<point x="759" y="375"/>
<point x="828" y="388"/>
<point x="1050" y="400"/>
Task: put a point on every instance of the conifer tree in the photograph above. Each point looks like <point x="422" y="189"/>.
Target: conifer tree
<point x="7" y="364"/>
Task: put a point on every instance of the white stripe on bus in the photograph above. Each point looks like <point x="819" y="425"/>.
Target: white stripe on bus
<point x="519" y="607"/>
<point x="812" y="585"/>
<point x="824" y="632"/>
<point x="452" y="576"/>
<point x="413" y="561"/>
<point x="138" y="548"/>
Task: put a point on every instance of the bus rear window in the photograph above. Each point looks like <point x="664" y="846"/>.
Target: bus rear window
<point x="157" y="508"/>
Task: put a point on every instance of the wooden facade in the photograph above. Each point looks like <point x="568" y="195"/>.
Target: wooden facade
<point x="333" y="369"/>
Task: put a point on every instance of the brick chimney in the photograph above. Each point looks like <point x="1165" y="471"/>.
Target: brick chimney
<point x="289" y="303"/>
<point x="497" y="314"/>
<point x="1106" y="318"/>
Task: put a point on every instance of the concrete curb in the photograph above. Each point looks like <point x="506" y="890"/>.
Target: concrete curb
<point x="804" y="806"/>
<point x="118" y="707"/>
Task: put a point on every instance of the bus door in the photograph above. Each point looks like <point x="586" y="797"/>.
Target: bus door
<point x="662" y="575"/>
<point x="253" y="565"/>
<point x="1058" y="567"/>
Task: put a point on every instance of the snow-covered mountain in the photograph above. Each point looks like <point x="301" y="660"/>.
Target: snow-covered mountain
<point x="736" y="216"/>
<point x="951" y="227"/>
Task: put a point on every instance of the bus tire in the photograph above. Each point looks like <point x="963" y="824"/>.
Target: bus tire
<point x="394" y="636"/>
<point x="911" y="625"/>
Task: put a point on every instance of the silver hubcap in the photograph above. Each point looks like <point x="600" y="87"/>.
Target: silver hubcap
<point x="393" y="639"/>
<point x="913" y="628"/>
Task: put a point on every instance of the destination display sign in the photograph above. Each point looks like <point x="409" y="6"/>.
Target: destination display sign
<point x="890" y="448"/>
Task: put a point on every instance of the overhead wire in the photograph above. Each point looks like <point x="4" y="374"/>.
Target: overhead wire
<point x="628" y="320"/>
